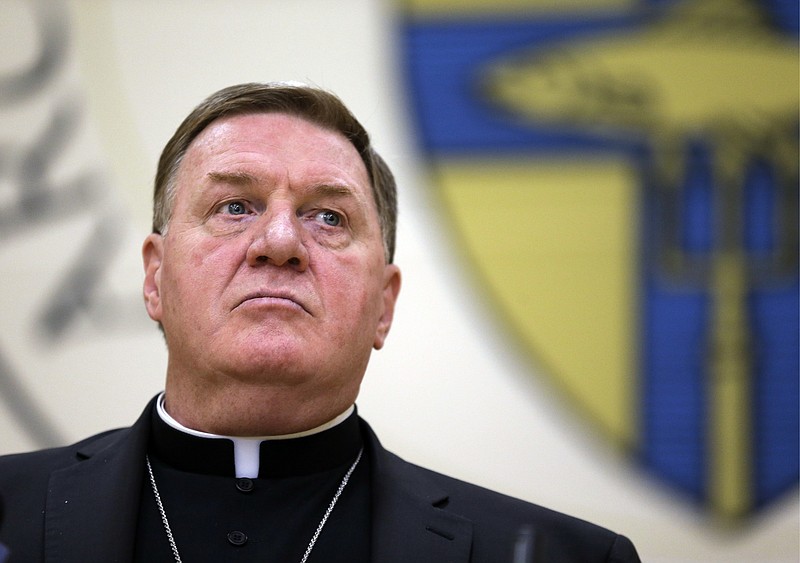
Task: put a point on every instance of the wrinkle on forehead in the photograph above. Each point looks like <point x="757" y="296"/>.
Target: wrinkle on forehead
<point x="240" y="138"/>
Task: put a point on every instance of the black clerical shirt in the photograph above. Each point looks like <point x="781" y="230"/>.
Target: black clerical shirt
<point x="215" y="516"/>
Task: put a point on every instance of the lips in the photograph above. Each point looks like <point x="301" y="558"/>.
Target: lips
<point x="274" y="296"/>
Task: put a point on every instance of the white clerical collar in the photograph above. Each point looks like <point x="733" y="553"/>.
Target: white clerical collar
<point x="246" y="449"/>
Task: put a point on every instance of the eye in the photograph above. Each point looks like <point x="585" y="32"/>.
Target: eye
<point x="235" y="208"/>
<point x="330" y="218"/>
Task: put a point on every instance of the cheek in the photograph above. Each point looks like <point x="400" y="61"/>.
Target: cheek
<point x="194" y="271"/>
<point x="354" y="291"/>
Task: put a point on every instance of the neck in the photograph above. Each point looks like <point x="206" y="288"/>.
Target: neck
<point x="252" y="410"/>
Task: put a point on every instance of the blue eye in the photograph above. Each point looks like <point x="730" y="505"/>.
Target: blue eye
<point x="236" y="208"/>
<point x="331" y="218"/>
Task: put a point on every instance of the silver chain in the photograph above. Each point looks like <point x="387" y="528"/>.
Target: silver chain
<point x="314" y="538"/>
<point x="163" y="512"/>
<point x="336" y="496"/>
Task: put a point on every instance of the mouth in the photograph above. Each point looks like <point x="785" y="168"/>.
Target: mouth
<point x="272" y="299"/>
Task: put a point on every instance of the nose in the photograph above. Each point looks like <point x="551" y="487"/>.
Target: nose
<point x="278" y="240"/>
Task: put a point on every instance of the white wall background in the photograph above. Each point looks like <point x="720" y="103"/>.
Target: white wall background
<point x="132" y="70"/>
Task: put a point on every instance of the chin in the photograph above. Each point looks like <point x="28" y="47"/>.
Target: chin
<point x="259" y="367"/>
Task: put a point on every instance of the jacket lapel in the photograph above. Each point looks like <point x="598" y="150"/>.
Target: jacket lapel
<point x="407" y="523"/>
<point x="92" y="505"/>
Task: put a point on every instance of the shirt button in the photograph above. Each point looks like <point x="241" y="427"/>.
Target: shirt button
<point x="237" y="538"/>
<point x="245" y="485"/>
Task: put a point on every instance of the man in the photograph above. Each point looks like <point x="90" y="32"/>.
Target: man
<point x="270" y="270"/>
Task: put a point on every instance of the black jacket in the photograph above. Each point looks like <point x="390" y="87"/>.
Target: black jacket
<point x="79" y="504"/>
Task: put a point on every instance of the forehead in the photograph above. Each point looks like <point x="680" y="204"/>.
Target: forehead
<point x="275" y="140"/>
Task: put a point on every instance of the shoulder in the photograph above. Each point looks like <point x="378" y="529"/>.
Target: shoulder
<point x="24" y="486"/>
<point x="495" y="515"/>
<point x="26" y="482"/>
<point x="500" y="521"/>
<point x="30" y="467"/>
<point x="50" y="457"/>
<point x="45" y="461"/>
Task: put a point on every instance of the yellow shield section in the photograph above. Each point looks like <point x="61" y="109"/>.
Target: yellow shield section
<point x="555" y="244"/>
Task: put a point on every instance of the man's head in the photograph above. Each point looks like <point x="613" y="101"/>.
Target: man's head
<point x="312" y="104"/>
<point x="269" y="268"/>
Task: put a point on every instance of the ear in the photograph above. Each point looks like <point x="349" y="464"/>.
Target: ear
<point x="152" y="253"/>
<point x="391" y="289"/>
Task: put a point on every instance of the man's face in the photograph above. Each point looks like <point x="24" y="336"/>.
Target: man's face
<point x="272" y="270"/>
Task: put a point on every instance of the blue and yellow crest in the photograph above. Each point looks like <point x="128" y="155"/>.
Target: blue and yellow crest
<point x="623" y="179"/>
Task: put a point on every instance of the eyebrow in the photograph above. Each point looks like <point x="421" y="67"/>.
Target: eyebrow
<point x="235" y="178"/>
<point x="240" y="178"/>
